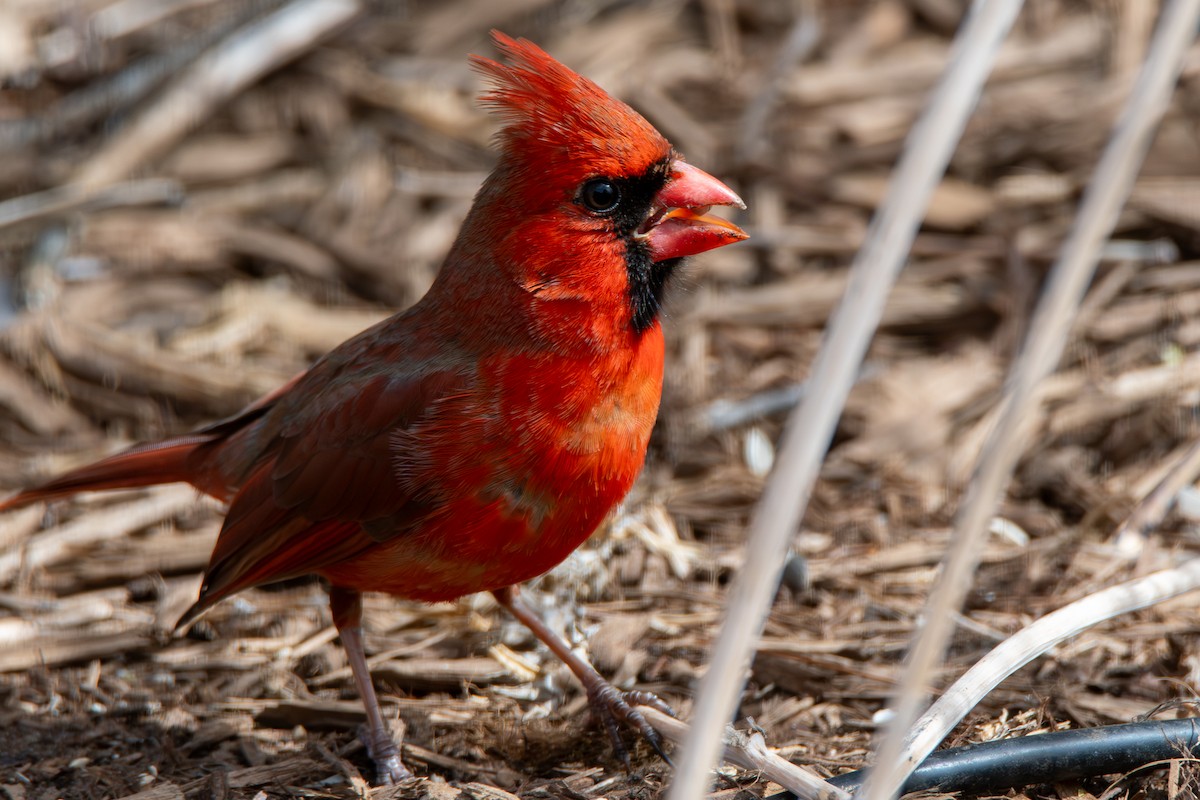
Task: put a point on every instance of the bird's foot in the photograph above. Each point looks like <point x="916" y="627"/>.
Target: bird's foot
<point x="612" y="707"/>
<point x="381" y="747"/>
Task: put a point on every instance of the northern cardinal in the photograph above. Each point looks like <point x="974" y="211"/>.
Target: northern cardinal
<point x="476" y="439"/>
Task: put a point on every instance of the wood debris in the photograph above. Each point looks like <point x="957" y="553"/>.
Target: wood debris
<point x="199" y="198"/>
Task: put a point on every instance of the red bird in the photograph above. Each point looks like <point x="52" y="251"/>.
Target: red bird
<point x="476" y="439"/>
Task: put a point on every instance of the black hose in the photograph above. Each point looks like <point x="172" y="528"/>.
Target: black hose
<point x="994" y="767"/>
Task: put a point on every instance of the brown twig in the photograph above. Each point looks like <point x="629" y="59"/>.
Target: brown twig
<point x="215" y="77"/>
<point x="750" y="751"/>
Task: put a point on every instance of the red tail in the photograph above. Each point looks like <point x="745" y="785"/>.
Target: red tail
<point x="168" y="461"/>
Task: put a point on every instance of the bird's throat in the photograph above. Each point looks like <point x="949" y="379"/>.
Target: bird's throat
<point x="647" y="282"/>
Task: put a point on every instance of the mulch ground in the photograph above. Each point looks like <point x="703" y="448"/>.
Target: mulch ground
<point x="196" y="206"/>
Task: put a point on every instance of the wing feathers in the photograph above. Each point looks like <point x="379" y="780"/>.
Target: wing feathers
<point x="330" y="469"/>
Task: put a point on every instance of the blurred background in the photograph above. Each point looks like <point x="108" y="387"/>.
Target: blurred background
<point x="199" y="197"/>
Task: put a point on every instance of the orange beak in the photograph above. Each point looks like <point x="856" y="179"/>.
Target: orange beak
<point x="679" y="225"/>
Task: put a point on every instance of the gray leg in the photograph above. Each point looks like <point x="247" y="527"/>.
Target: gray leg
<point x="347" y="616"/>
<point x="608" y="703"/>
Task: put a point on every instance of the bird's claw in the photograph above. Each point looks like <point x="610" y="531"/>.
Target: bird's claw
<point x="611" y="706"/>
<point x="389" y="769"/>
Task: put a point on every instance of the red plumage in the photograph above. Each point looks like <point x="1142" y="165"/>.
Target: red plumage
<point x="476" y="439"/>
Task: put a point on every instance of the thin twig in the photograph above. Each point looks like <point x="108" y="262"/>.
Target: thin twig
<point x="55" y="544"/>
<point x="1130" y="537"/>
<point x="810" y="429"/>
<point x="110" y="96"/>
<point x="215" y="77"/>
<point x="749" y="751"/>
<point x="1048" y="333"/>
<point x="801" y="40"/>
<point x="73" y="197"/>
<point x="722" y="414"/>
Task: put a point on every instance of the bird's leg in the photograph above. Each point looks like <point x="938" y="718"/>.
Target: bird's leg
<point x="346" y="605"/>
<point x="607" y="702"/>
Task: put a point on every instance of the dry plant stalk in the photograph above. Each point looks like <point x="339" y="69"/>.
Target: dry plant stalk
<point x="810" y="428"/>
<point x="1034" y="640"/>
<point x="231" y="66"/>
<point x="750" y="752"/>
<point x="360" y="156"/>
<point x="114" y="522"/>
<point x="1041" y="635"/>
<point x="1107" y="192"/>
<point x="1130" y="537"/>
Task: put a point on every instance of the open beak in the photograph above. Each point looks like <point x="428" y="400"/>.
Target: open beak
<point x="679" y="225"/>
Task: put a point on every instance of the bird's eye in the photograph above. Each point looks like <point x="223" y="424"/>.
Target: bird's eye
<point x="600" y="195"/>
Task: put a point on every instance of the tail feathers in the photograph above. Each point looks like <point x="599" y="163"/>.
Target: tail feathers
<point x="169" y="461"/>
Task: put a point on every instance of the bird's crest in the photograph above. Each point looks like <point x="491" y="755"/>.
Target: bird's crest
<point x="552" y="112"/>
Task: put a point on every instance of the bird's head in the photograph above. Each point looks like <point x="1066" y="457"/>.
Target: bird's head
<point x="590" y="204"/>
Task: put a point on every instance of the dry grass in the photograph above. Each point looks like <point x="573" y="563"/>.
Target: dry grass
<point x="159" y="276"/>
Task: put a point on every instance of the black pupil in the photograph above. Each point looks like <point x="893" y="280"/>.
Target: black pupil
<point x="601" y="195"/>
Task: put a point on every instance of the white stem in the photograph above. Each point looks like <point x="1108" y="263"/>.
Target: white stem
<point x="1043" y="347"/>
<point x="810" y="429"/>
<point x="1035" y="639"/>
